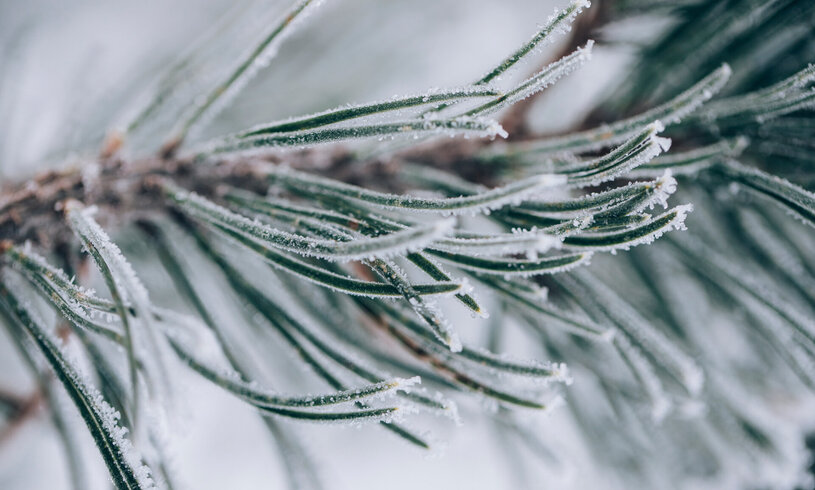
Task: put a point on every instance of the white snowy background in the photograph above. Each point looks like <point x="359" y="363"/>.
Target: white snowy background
<point x="59" y="61"/>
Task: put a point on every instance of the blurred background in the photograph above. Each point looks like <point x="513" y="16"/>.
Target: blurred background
<point x="72" y="72"/>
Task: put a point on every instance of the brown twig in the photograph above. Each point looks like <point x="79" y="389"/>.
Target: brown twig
<point x="23" y="409"/>
<point x="124" y="190"/>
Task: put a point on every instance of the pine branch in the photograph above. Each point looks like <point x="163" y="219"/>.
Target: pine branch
<point x="290" y="236"/>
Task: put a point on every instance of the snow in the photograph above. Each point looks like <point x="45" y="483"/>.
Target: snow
<point x="472" y="458"/>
